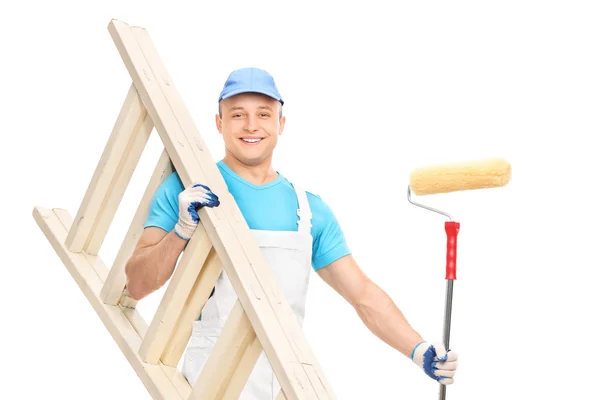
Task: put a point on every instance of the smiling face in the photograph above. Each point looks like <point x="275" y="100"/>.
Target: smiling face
<point x="250" y="124"/>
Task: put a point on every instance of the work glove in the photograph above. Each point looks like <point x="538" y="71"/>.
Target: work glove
<point x="437" y="363"/>
<point x="191" y="200"/>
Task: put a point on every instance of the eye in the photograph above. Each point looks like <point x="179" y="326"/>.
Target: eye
<point x="265" y="115"/>
<point x="238" y="115"/>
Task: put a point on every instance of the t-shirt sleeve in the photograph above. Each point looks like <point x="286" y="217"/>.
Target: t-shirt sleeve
<point x="329" y="242"/>
<point x="164" y="208"/>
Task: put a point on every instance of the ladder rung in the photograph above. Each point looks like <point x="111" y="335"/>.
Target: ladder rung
<point x="231" y="360"/>
<point x="111" y="177"/>
<point x="174" y="299"/>
<point x="205" y="282"/>
<point x="112" y="290"/>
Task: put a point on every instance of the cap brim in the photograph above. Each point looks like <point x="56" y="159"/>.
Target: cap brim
<point x="266" y="93"/>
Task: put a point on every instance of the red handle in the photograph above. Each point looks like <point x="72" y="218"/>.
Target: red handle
<point x="452" y="232"/>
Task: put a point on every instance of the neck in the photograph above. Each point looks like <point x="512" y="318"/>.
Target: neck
<point x="258" y="174"/>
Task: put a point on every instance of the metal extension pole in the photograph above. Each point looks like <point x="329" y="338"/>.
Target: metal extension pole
<point x="447" y="320"/>
<point x="452" y="228"/>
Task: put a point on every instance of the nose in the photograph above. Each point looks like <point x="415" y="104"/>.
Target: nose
<point x="252" y="123"/>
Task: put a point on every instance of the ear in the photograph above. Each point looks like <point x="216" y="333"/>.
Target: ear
<point x="281" y="124"/>
<point x="219" y="123"/>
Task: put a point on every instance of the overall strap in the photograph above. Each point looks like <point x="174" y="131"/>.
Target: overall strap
<point x="304" y="212"/>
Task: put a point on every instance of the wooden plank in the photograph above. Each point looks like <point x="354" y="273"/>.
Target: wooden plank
<point x="240" y="377"/>
<point x="225" y="360"/>
<point x="153" y="99"/>
<point x="126" y="300"/>
<point x="267" y="309"/>
<point x="119" y="186"/>
<point x="177" y="379"/>
<point x="205" y="282"/>
<point x="113" y="172"/>
<point x="154" y="377"/>
<point x="174" y="299"/>
<point x="95" y="261"/>
<point x="280" y="396"/>
<point x="114" y="284"/>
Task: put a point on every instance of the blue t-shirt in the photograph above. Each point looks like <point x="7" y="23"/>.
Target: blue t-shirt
<point x="272" y="206"/>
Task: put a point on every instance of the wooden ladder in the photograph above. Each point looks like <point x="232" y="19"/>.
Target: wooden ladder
<point x="261" y="318"/>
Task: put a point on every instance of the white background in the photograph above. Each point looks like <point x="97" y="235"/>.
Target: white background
<point x="372" y="91"/>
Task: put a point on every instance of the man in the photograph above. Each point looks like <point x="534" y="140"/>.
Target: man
<point x="296" y="231"/>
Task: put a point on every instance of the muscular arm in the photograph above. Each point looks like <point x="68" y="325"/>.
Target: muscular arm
<point x="153" y="261"/>
<point x="374" y="307"/>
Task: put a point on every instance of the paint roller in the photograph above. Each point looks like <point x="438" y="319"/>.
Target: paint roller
<point x="445" y="178"/>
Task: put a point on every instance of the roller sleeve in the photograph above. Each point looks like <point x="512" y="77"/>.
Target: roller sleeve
<point x="445" y="178"/>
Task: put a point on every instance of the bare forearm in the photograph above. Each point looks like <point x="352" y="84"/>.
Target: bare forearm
<point x="379" y="313"/>
<point x="150" y="267"/>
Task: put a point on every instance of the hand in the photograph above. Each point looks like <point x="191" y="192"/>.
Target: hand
<point x="191" y="200"/>
<point x="437" y="363"/>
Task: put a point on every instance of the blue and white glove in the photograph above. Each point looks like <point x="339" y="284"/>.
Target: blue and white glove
<point x="437" y="363"/>
<point x="191" y="200"/>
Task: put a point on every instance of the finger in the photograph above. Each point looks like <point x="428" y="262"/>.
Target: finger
<point x="452" y="355"/>
<point x="213" y="200"/>
<point x="211" y="197"/>
<point x="195" y="206"/>
<point x="444" y="373"/>
<point x="203" y="197"/>
<point x="446" y="381"/>
<point x="198" y="201"/>
<point x="206" y="201"/>
<point x="447" y="365"/>
<point x="212" y="203"/>
<point x="199" y="185"/>
<point x="199" y="189"/>
<point x="440" y="351"/>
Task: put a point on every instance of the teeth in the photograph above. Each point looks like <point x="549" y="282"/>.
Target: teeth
<point x="251" y="140"/>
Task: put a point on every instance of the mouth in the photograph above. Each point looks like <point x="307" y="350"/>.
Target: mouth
<point x="251" y="140"/>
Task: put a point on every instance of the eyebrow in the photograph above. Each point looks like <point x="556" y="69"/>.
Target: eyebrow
<point x="242" y="108"/>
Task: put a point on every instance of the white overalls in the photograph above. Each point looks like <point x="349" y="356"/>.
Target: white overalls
<point x="289" y="255"/>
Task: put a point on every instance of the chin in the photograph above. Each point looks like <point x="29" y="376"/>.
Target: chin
<point x="252" y="161"/>
<point x="252" y="156"/>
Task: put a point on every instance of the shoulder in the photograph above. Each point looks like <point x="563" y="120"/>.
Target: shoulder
<point x="320" y="210"/>
<point x="164" y="206"/>
<point x="318" y="206"/>
<point x="322" y="213"/>
<point x="329" y="242"/>
<point x="315" y="200"/>
<point x="172" y="185"/>
<point x="168" y="191"/>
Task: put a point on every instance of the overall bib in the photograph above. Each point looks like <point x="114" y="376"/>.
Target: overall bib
<point x="289" y="256"/>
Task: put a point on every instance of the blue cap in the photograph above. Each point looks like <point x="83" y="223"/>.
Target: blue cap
<point x="253" y="80"/>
